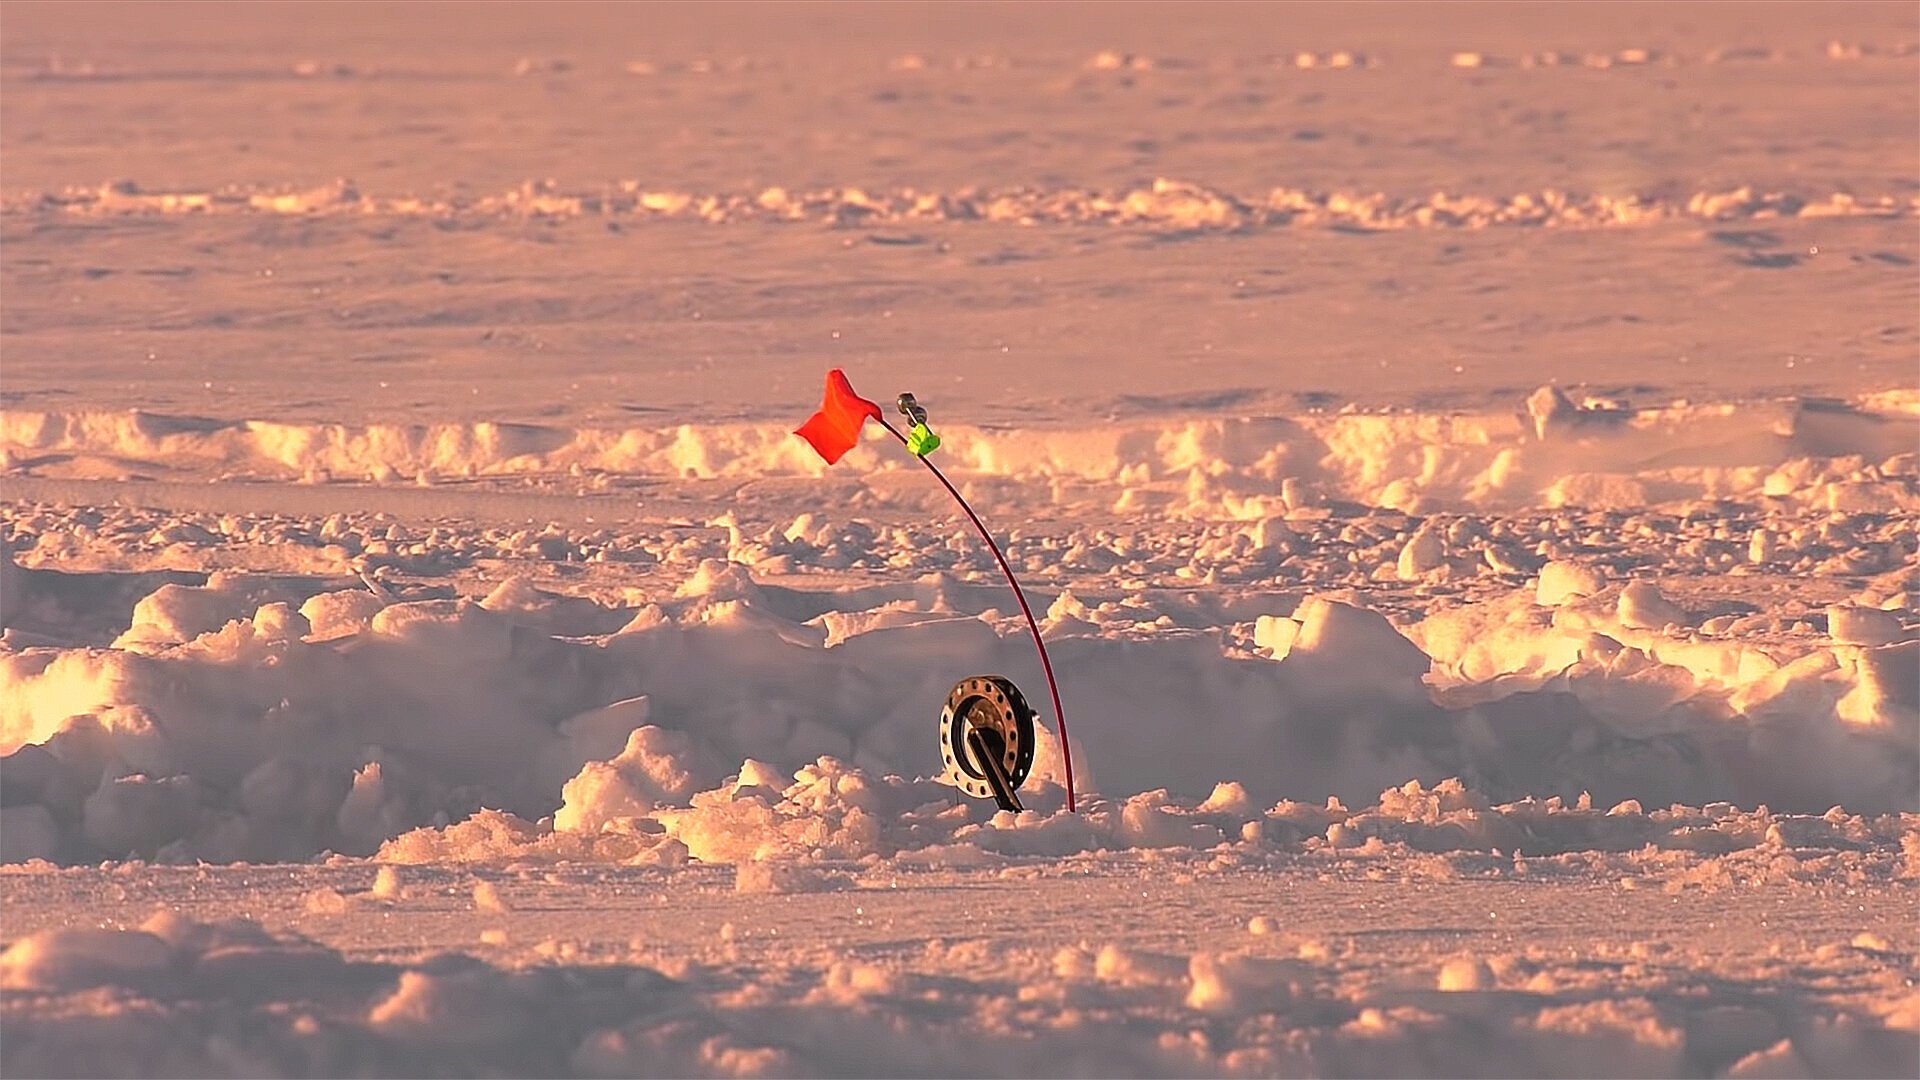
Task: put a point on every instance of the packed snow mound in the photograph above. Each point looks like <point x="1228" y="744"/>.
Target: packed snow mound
<point x="1819" y="454"/>
<point x="223" y="728"/>
<point x="833" y="814"/>
<point x="1162" y="204"/>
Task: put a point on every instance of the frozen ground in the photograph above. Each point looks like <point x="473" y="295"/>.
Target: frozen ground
<point x="1468" y="464"/>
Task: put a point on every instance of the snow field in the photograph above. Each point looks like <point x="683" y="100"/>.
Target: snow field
<point x="704" y="987"/>
<point x="425" y="649"/>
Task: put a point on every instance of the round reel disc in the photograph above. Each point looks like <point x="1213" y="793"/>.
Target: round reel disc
<point x="996" y="707"/>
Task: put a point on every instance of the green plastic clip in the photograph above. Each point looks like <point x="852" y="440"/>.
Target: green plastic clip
<point x="921" y="440"/>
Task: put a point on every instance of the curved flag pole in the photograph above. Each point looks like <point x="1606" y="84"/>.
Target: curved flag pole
<point x="1046" y="665"/>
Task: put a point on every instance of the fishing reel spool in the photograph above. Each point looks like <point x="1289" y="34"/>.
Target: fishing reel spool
<point x="987" y="739"/>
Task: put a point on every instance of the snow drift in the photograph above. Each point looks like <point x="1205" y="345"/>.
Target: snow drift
<point x="233" y="722"/>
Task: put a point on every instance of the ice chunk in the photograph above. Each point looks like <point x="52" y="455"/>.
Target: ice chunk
<point x="461" y="1008"/>
<point x="1848" y="624"/>
<point x="332" y="615"/>
<point x="372" y="811"/>
<point x="657" y="766"/>
<point x="280" y="622"/>
<point x="81" y="957"/>
<point x="175" y="613"/>
<point x="1342" y="649"/>
<point x="1466" y="973"/>
<point x="386" y="883"/>
<point x="1232" y="983"/>
<point x="516" y="593"/>
<point x="1275" y="632"/>
<point x="487" y="898"/>
<point x="595" y="735"/>
<point x="456" y="629"/>
<point x="1641" y="607"/>
<point x="1563" y="581"/>
<point x="325" y="901"/>
<point x="1424" y="552"/>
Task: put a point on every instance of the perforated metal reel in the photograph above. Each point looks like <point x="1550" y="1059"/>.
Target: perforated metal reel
<point x="987" y="739"/>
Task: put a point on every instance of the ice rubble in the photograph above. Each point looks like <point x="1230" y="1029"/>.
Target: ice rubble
<point x="715" y="725"/>
<point x="1857" y="456"/>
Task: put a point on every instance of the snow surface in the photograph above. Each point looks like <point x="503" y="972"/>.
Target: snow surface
<point x="1467" y="469"/>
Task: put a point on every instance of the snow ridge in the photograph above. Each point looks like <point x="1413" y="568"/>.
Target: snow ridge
<point x="1597" y="455"/>
<point x="1165" y="204"/>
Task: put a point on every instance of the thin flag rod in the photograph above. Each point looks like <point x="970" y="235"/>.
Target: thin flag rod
<point x="1046" y="665"/>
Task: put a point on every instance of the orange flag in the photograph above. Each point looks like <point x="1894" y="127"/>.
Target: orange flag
<point x="835" y="429"/>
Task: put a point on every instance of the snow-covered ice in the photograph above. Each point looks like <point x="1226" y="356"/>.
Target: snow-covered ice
<point x="1471" y="499"/>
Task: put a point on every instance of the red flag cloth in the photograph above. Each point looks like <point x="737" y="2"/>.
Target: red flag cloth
<point x="835" y="429"/>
